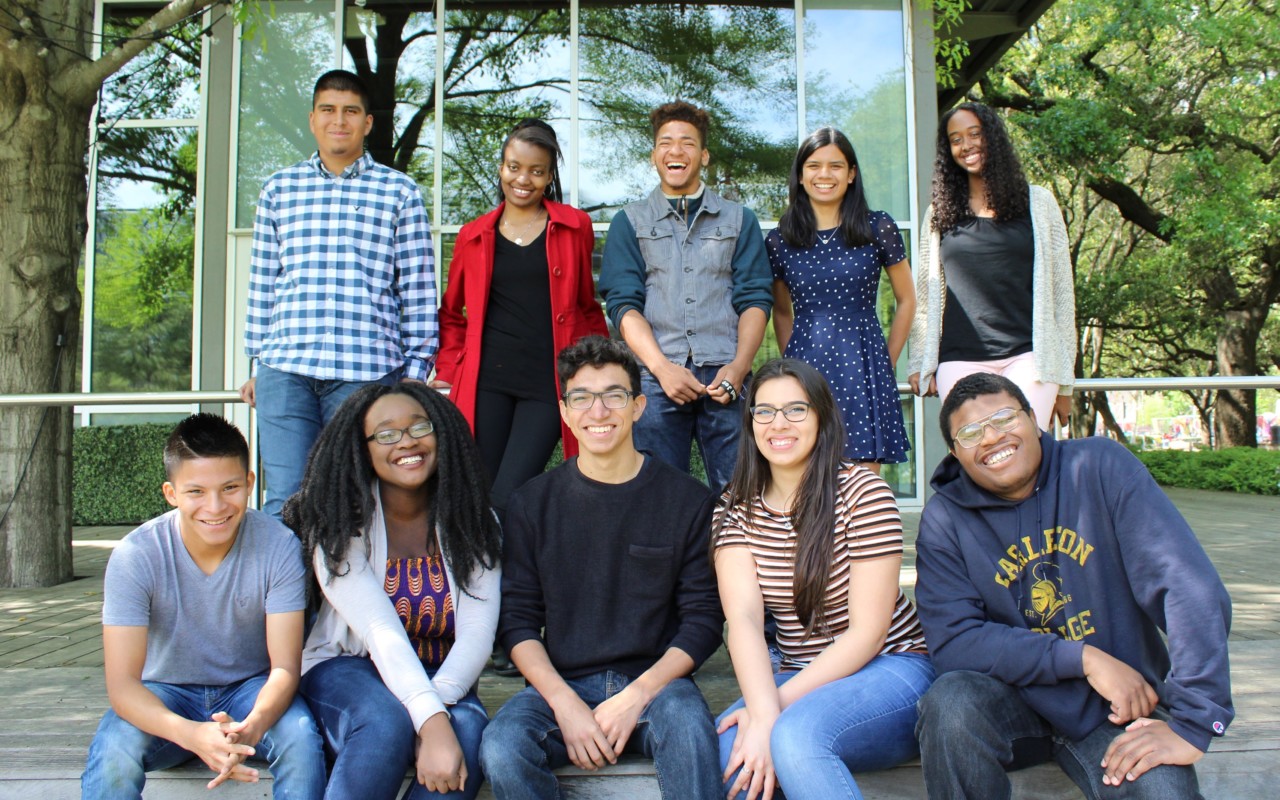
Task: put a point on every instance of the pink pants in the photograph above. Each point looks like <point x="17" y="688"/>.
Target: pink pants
<point x="1019" y="369"/>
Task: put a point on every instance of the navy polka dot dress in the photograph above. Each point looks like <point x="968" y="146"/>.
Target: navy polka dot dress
<point x="833" y="292"/>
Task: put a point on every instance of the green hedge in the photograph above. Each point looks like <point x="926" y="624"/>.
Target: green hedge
<point x="116" y="474"/>
<point x="1236" y="469"/>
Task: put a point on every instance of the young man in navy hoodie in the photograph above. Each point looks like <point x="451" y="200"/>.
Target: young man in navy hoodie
<point x="1046" y="574"/>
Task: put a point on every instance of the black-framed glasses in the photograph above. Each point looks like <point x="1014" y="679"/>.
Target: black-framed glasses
<point x="792" y="412"/>
<point x="392" y="435"/>
<point x="1004" y="420"/>
<point x="581" y="399"/>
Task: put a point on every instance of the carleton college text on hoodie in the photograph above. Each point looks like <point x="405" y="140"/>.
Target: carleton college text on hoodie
<point x="1096" y="555"/>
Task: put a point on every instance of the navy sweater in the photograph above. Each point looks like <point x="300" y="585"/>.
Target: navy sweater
<point x="1096" y="555"/>
<point x="609" y="576"/>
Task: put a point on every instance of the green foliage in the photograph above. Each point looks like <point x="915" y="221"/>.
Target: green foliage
<point x="1234" y="469"/>
<point x="1154" y="123"/>
<point x="948" y="51"/>
<point x="117" y="471"/>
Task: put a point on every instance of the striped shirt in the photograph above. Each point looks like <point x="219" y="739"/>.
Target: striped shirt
<point x="867" y="527"/>
<point x="342" y="282"/>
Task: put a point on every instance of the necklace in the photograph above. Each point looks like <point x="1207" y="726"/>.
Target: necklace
<point x="519" y="239"/>
<point x="827" y="239"/>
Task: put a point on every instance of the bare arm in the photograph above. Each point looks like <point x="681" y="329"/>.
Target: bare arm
<point x="586" y="741"/>
<point x="677" y="382"/>
<point x="751" y="325"/>
<point x="617" y="716"/>
<point x="873" y="590"/>
<point x="744" y="610"/>
<point x="904" y="311"/>
<point x="784" y="315"/>
<point x="124" y="650"/>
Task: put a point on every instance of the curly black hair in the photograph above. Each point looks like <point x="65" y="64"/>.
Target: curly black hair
<point x="1007" y="190"/>
<point x="335" y="502"/>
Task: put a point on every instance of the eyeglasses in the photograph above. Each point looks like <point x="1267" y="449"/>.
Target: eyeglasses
<point x="792" y="412"/>
<point x="581" y="399"/>
<point x="1004" y="420"/>
<point x="392" y="435"/>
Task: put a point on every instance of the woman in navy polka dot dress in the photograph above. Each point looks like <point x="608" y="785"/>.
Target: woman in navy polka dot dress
<point x="826" y="254"/>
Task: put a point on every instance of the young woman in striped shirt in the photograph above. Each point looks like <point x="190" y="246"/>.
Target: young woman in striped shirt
<point x="816" y="540"/>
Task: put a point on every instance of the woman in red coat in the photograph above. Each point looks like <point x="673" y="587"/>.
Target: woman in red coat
<point x="519" y="291"/>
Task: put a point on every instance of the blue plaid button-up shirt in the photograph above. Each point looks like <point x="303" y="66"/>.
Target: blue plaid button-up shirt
<point x="342" y="281"/>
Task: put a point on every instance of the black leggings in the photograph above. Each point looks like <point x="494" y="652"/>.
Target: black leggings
<point x="516" y="437"/>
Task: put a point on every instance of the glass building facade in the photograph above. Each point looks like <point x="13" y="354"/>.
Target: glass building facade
<point x="187" y="133"/>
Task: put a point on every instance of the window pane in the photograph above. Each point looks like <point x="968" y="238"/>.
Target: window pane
<point x="278" y="68"/>
<point x="738" y="62"/>
<point x="869" y="102"/>
<point x="144" y="256"/>
<point x="504" y="62"/>
<point x="163" y="82"/>
<point x="392" y="47"/>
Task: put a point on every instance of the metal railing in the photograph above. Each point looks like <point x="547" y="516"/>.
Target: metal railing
<point x="228" y="396"/>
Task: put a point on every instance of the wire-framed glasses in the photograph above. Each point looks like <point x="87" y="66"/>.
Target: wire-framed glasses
<point x="392" y="435"/>
<point x="581" y="399"/>
<point x="792" y="412"/>
<point x="1004" y="420"/>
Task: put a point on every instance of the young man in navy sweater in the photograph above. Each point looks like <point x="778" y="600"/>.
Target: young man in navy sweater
<point x="609" y="602"/>
<point x="1047" y="572"/>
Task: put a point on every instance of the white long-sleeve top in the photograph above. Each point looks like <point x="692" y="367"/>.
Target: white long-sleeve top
<point x="357" y="618"/>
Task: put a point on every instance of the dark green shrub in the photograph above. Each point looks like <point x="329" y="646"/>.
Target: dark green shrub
<point x="116" y="474"/>
<point x="1236" y="469"/>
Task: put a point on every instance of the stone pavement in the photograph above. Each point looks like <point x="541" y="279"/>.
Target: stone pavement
<point x="51" y="671"/>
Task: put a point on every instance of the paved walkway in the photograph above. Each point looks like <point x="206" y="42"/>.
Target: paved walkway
<point x="51" y="651"/>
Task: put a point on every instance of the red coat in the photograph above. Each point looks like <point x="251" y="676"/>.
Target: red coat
<point x="576" y="312"/>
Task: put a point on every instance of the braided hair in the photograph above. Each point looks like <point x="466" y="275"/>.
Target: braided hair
<point x="1006" y="185"/>
<point x="335" y="503"/>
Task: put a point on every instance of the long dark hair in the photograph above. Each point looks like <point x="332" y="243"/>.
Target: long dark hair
<point x="538" y="133"/>
<point x="1007" y="191"/>
<point x="813" y="516"/>
<point x="335" y="503"/>
<point x="798" y="225"/>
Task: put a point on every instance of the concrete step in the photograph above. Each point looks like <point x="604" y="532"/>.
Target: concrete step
<point x="1234" y="775"/>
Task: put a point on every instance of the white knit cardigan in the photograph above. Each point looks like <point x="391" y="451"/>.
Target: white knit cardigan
<point x="1053" y="313"/>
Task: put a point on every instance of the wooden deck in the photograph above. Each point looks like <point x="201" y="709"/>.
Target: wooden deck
<point x="51" y="674"/>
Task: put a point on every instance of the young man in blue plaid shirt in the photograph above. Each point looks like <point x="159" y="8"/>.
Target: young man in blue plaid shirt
<point x="342" y="287"/>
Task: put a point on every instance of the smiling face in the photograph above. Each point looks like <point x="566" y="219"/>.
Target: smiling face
<point x="408" y="463"/>
<point x="783" y="443"/>
<point x="826" y="176"/>
<point x="679" y="156"/>
<point x="339" y="121"/>
<point x="964" y="132"/>
<point x="1005" y="463"/>
<point x="211" y="495"/>
<point x="602" y="431"/>
<point x="526" y="171"/>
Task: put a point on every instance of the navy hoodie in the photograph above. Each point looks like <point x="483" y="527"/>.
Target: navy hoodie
<point x="1096" y="555"/>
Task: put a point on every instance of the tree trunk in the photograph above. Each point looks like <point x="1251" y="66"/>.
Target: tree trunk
<point x="1235" y="411"/>
<point x="43" y="139"/>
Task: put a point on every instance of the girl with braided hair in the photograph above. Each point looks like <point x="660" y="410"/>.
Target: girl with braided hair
<point x="396" y="526"/>
<point x="995" y="290"/>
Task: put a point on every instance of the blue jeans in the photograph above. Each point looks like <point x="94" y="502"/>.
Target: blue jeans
<point x="369" y="738"/>
<point x="666" y="430"/>
<point x="856" y="724"/>
<point x="523" y="743"/>
<point x="121" y="754"/>
<point x="292" y="409"/>
<point x="974" y="727"/>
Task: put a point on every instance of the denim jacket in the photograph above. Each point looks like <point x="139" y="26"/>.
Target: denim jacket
<point x="689" y="276"/>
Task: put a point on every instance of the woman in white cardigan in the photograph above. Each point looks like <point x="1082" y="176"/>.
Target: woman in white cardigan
<point x="395" y="522"/>
<point x="995" y="290"/>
